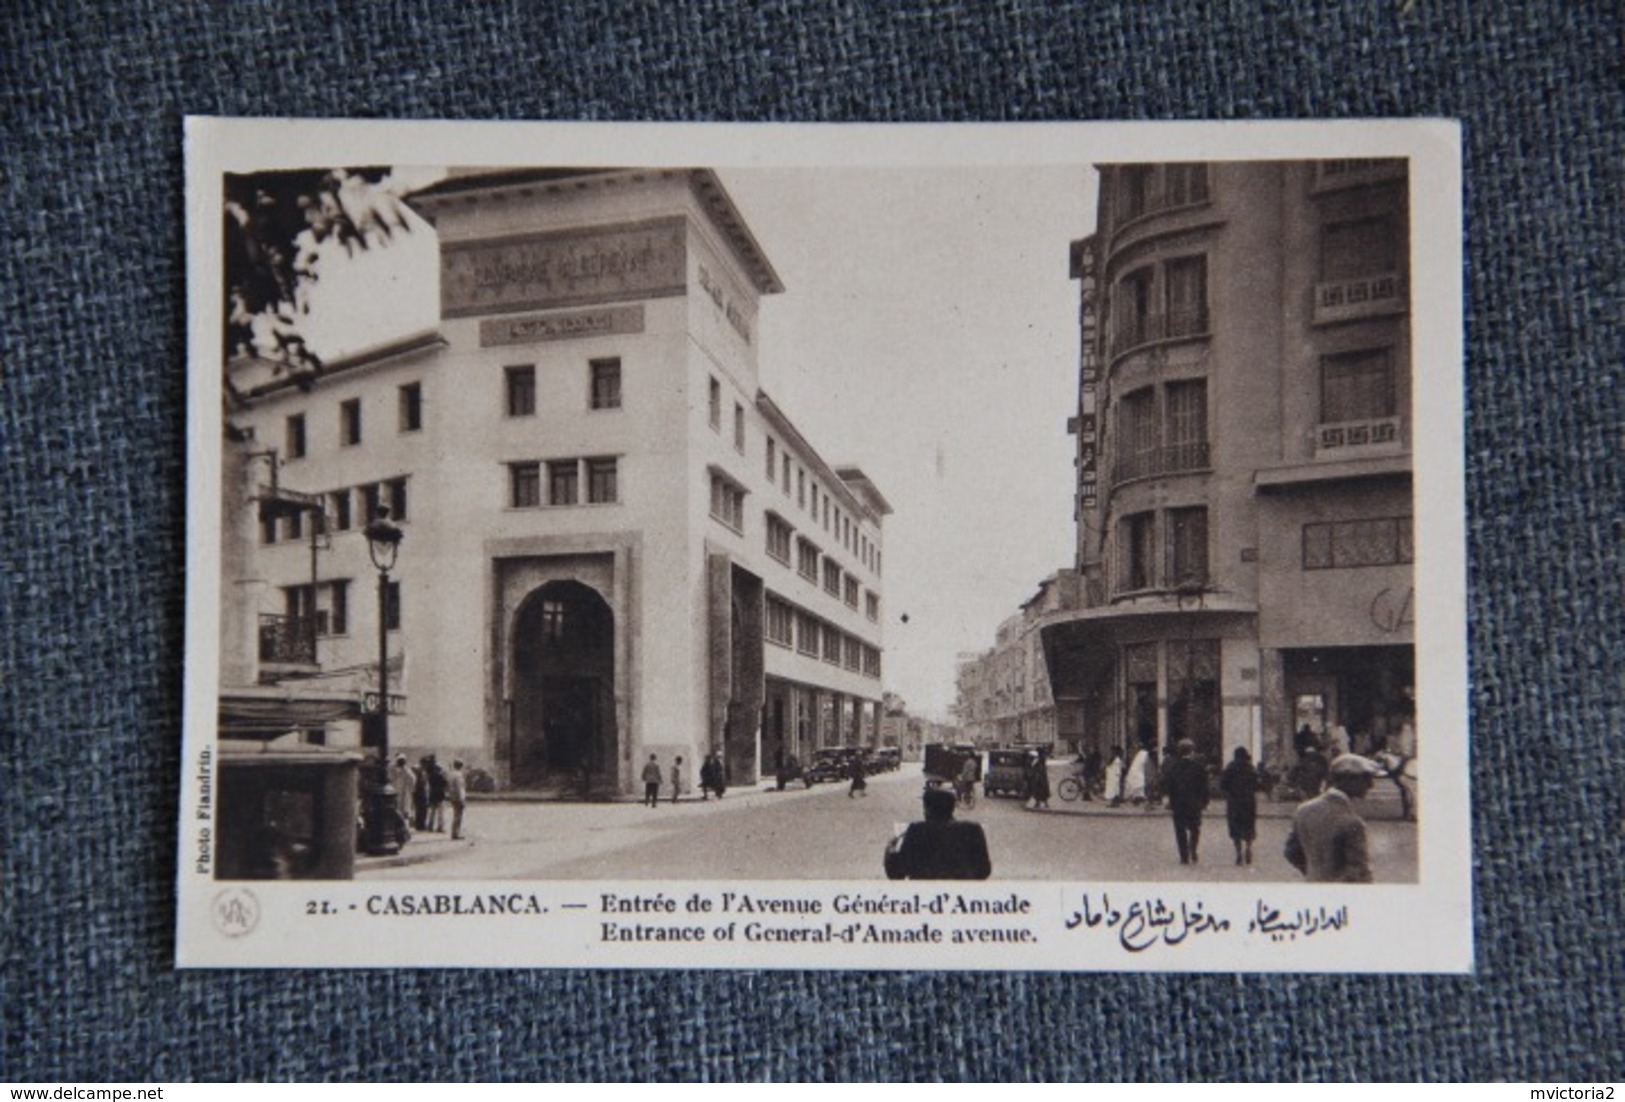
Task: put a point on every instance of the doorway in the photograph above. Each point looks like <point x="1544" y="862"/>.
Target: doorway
<point x="563" y="724"/>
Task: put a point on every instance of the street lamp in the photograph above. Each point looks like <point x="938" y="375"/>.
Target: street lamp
<point x="380" y="835"/>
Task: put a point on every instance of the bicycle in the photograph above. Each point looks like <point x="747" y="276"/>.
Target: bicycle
<point x="966" y="791"/>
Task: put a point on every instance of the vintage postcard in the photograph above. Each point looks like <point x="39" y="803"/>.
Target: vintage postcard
<point x="884" y="547"/>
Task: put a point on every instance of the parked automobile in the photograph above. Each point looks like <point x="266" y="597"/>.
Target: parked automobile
<point x="1006" y="773"/>
<point x="833" y="763"/>
<point x="889" y="758"/>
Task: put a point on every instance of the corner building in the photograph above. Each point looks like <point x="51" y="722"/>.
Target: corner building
<point x="1244" y="431"/>
<point x="616" y="543"/>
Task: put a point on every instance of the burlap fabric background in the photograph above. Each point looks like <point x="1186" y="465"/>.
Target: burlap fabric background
<point x="92" y="504"/>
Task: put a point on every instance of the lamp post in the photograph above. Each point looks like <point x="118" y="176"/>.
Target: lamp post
<point x="381" y="834"/>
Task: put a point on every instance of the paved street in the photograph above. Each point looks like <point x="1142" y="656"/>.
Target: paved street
<point x="821" y="834"/>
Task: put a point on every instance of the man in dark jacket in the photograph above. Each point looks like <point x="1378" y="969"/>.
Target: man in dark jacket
<point x="941" y="847"/>
<point x="1184" y="782"/>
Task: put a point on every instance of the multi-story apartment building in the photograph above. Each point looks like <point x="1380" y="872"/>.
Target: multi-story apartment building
<point x="1003" y="695"/>
<point x="1244" y="433"/>
<point x="615" y="543"/>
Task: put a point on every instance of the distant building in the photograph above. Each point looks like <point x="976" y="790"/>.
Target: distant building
<point x="1002" y="694"/>
<point x="1244" y="431"/>
<point x="616" y="543"/>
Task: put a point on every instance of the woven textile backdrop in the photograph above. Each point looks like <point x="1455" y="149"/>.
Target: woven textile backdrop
<point x="93" y="510"/>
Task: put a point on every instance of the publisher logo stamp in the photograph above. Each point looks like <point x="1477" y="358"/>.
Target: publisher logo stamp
<point x="236" y="912"/>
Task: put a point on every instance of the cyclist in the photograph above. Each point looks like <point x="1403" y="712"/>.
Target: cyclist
<point x="965" y="783"/>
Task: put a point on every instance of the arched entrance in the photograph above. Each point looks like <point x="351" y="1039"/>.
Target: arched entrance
<point x="563" y="689"/>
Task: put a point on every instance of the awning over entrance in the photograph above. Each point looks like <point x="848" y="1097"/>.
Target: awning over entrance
<point x="1080" y="645"/>
<point x="251" y="715"/>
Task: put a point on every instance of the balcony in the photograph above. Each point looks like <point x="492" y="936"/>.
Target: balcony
<point x="1130" y="331"/>
<point x="1368" y="296"/>
<point x="289" y="640"/>
<point x="1355" y="172"/>
<point x="1349" y="438"/>
<point x="1171" y="459"/>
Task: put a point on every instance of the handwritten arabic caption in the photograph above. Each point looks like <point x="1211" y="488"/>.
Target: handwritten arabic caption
<point x="1146" y="923"/>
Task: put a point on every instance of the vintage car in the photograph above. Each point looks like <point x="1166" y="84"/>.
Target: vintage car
<point x="884" y="759"/>
<point x="944" y="762"/>
<point x="1007" y="772"/>
<point x="833" y="763"/>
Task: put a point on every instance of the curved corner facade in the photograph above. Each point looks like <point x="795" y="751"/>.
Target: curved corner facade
<point x="1244" y="431"/>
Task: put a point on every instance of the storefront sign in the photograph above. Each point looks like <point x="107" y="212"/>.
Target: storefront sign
<point x="562" y="269"/>
<point x="537" y="328"/>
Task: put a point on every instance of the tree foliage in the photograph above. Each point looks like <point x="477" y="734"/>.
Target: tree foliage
<point x="275" y="226"/>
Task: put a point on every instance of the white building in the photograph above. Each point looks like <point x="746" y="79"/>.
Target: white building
<point x="615" y="543"/>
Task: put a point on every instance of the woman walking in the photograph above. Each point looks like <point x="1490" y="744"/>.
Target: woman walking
<point x="1239" y="783"/>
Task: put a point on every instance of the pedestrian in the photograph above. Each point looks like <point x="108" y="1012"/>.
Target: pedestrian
<point x="1038" y="782"/>
<point x="420" y="796"/>
<point x="651" y="781"/>
<point x="403" y="780"/>
<point x="1184" y="781"/>
<point x="1134" y="780"/>
<point x="1328" y="839"/>
<point x="1094" y="774"/>
<point x="939" y="847"/>
<point x="1240" y="783"/>
<point x="859" y="776"/>
<point x="711" y="779"/>
<point x="678" y="784"/>
<point x="457" y="796"/>
<point x="437" y="796"/>
<point x="1115" y="770"/>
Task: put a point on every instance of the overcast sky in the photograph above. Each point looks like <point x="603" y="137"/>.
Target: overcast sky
<point x="928" y="334"/>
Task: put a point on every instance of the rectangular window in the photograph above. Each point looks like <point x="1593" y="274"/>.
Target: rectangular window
<point x="524" y="485"/>
<point x="521" y="390"/>
<point x="853" y="657"/>
<point x="1356" y="386"/>
<point x="871" y="661"/>
<point x="267" y="527"/>
<point x="371" y="501"/>
<point x="339" y="503"/>
<point x="832" y="577"/>
<point x="294" y="436"/>
<point x="1137" y="434"/>
<point x="1137" y="552"/>
<point x="780" y="623"/>
<point x="716" y="405"/>
<point x="338" y="607"/>
<point x="1355" y="250"/>
<point x="1185" y="426"/>
<point x="727" y="503"/>
<point x="807" y="560"/>
<point x="787" y="472"/>
<point x="850" y="591"/>
<point x="606" y="383"/>
<point x="832" y="644"/>
<point x="296" y="525"/>
<point x="350" y="422"/>
<point x="871" y="606"/>
<point x="1185" y="296"/>
<point x="1383" y="541"/>
<point x="772" y="460"/>
<point x="807" y="634"/>
<point x="1133" y="192"/>
<point x="563" y="482"/>
<point x="801" y="487"/>
<point x="601" y="481"/>
<point x="392" y="606"/>
<point x="397" y="498"/>
<point x="814" y="498"/>
<point x="778" y="538"/>
<point x="1131" y="316"/>
<point x="1184" y="184"/>
<point x="1187" y="546"/>
<point x="410" y="403"/>
<point x="739" y="428"/>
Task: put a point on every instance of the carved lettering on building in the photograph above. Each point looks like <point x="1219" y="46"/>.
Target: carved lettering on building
<point x="724" y="302"/>
<point x="537" y="328"/>
<point x="1393" y="610"/>
<point x="563" y="269"/>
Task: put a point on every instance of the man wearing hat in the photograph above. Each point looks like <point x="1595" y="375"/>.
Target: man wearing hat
<point x="1327" y="843"/>
<point x="1185" y="783"/>
<point x="941" y="847"/>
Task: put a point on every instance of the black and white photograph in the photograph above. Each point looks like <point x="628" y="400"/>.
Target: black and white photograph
<point x="657" y="545"/>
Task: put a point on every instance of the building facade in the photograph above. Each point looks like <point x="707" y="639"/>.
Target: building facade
<point x="1244" y="431"/>
<point x="615" y="543"/>
<point x="1003" y="695"/>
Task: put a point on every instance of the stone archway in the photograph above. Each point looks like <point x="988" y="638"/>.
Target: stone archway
<point x="564" y="728"/>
